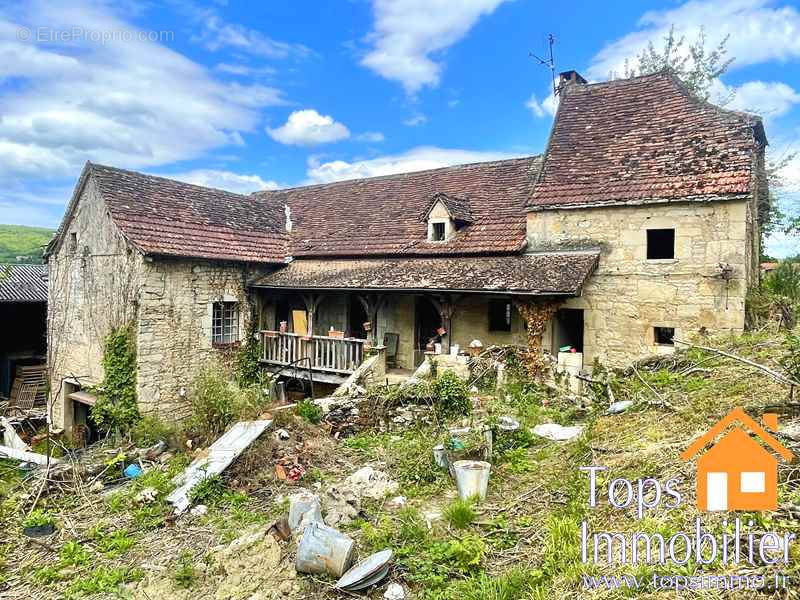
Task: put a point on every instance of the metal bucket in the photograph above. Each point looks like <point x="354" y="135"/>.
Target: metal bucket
<point x="323" y="549"/>
<point x="440" y="456"/>
<point x="304" y="507"/>
<point x="472" y="478"/>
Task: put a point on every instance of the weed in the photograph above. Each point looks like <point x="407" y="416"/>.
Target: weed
<point x="309" y="411"/>
<point x="38" y="518"/>
<point x="210" y="491"/>
<point x="47" y="575"/>
<point x="460" y="514"/>
<point x="514" y="584"/>
<point x="116" y="543"/>
<point x="102" y="580"/>
<point x="791" y="359"/>
<point x="185" y="575"/>
<point x="518" y="461"/>
<point x="73" y="554"/>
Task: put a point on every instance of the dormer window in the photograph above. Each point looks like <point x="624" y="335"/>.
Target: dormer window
<point x="445" y="216"/>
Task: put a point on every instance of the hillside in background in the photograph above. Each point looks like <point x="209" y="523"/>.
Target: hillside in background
<point x="21" y="244"/>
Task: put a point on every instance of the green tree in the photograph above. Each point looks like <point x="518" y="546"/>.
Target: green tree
<point x="694" y="64"/>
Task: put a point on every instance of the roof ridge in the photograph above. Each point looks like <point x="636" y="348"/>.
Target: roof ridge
<point x="170" y="179"/>
<point x="402" y="174"/>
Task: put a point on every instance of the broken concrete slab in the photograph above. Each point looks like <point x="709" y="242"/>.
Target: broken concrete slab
<point x="218" y="457"/>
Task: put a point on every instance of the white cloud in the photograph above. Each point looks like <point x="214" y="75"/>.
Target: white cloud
<point x="309" y="128"/>
<point x="245" y="70"/>
<point x="131" y="104"/>
<point x="407" y="33"/>
<point x="544" y="108"/>
<point x="216" y="34"/>
<point x="371" y="136"/>
<point x="416" y="159"/>
<point x="769" y="99"/>
<point x="758" y="32"/>
<point x="225" y="180"/>
<point x="415" y="120"/>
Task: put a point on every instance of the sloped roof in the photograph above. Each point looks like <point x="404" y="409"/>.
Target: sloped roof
<point x="170" y="218"/>
<point x="23" y="283"/>
<point x="457" y="208"/>
<point x="536" y="274"/>
<point x="380" y="216"/>
<point x="644" y="139"/>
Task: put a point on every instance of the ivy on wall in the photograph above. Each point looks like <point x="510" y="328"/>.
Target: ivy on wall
<point x="537" y="315"/>
<point x="248" y="367"/>
<point x="116" y="408"/>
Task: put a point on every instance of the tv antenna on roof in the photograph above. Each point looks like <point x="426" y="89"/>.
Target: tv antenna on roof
<point x="550" y="62"/>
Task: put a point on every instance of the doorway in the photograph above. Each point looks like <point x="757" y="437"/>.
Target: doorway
<point x="426" y="321"/>
<point x="356" y="318"/>
<point x="568" y="329"/>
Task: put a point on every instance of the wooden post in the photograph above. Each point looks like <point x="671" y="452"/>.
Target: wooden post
<point x="446" y="305"/>
<point x="372" y="303"/>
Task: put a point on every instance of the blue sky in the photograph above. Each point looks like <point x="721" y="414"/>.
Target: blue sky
<point x="245" y="96"/>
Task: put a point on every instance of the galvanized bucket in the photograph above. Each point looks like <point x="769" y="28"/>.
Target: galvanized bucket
<point x="440" y="456"/>
<point x="323" y="549"/>
<point x="304" y="507"/>
<point x="472" y="478"/>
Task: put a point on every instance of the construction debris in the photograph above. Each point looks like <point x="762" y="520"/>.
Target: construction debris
<point x="619" y="407"/>
<point x="395" y="591"/>
<point x="556" y="432"/>
<point x="220" y="454"/>
<point x="304" y="508"/>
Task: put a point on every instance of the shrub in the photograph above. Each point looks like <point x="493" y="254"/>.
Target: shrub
<point x="213" y="401"/>
<point x="451" y="396"/>
<point x="309" y="411"/>
<point x="784" y="281"/>
<point x="150" y="430"/>
<point x="116" y="409"/>
<point x="248" y="365"/>
<point x="790" y="361"/>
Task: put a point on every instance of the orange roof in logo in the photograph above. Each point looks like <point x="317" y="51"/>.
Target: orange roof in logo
<point x="737" y="414"/>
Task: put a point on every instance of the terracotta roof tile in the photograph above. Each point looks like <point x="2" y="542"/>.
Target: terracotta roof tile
<point x="537" y="274"/>
<point x="167" y="217"/>
<point x="644" y="139"/>
<point x="381" y="215"/>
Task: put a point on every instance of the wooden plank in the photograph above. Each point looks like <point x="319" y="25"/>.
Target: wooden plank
<point x="34" y="457"/>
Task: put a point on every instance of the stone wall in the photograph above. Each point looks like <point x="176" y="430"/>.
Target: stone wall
<point x="174" y="327"/>
<point x="94" y="278"/>
<point x="629" y="295"/>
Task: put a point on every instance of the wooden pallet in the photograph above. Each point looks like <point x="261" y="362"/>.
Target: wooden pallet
<point x="27" y="376"/>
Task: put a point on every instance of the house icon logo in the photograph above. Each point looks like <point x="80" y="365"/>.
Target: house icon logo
<point x="738" y="472"/>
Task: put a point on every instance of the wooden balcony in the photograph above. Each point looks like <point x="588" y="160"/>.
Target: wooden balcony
<point x="334" y="356"/>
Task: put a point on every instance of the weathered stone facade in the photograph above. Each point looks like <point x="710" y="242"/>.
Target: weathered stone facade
<point x="98" y="282"/>
<point x="629" y="295"/>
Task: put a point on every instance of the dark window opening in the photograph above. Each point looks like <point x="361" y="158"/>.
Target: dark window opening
<point x="73" y="243"/>
<point x="499" y="315"/>
<point x="660" y="244"/>
<point x="225" y="323"/>
<point x="568" y="330"/>
<point x="438" y="232"/>
<point x="665" y="335"/>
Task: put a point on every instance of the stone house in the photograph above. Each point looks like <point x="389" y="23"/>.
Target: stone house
<point x="637" y="226"/>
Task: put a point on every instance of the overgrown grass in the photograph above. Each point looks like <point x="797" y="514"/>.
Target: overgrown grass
<point x="460" y="514"/>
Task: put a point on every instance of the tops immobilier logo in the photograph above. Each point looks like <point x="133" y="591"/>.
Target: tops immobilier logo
<point x="738" y="472"/>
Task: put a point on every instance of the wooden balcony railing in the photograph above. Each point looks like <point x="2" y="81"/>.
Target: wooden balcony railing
<point x="336" y="355"/>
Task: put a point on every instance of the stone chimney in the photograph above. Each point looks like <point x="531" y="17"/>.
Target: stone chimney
<point x="770" y="421"/>
<point x="567" y="79"/>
